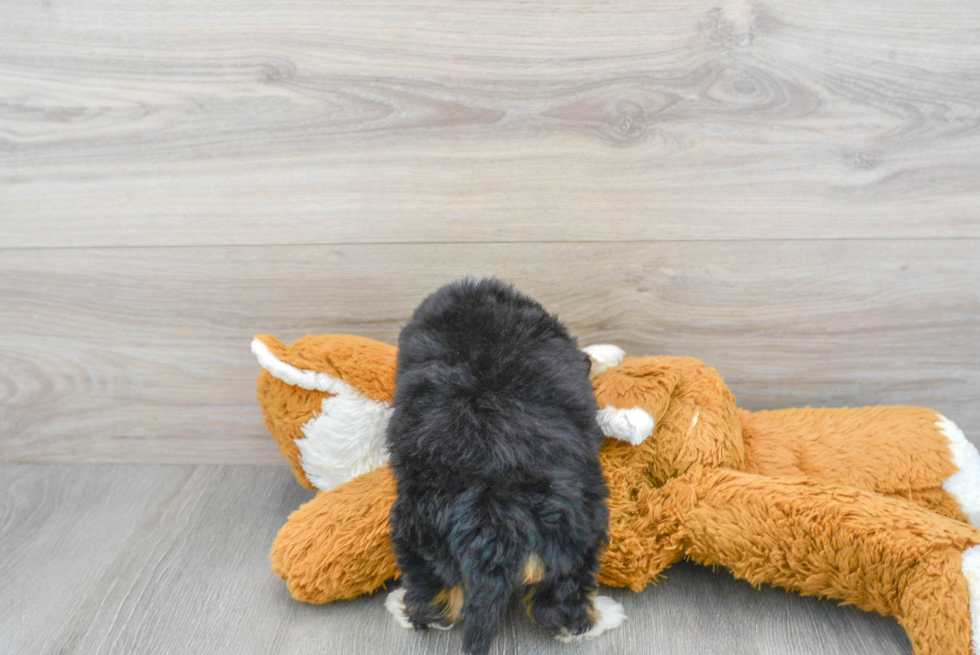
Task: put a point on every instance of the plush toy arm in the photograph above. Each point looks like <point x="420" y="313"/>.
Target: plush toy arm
<point x="905" y="452"/>
<point x="338" y="545"/>
<point x="647" y="383"/>
<point x="861" y="548"/>
<point x="645" y="532"/>
<point x="691" y="416"/>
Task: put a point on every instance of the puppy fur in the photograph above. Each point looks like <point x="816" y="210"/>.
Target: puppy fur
<point x="494" y="445"/>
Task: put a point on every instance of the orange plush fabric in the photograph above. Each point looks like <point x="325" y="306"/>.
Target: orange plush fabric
<point x="337" y="545"/>
<point x="846" y="504"/>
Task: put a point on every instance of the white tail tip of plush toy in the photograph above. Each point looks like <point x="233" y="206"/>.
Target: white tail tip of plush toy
<point x="604" y="356"/>
<point x="971" y="571"/>
<point x="964" y="485"/>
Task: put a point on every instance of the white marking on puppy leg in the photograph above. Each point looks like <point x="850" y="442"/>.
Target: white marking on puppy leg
<point x="395" y="604"/>
<point x="604" y="356"/>
<point x="971" y="571"/>
<point x="964" y="485"/>
<point x="609" y="615"/>
<point x="632" y="425"/>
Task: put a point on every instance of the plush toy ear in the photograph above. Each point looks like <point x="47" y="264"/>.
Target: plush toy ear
<point x="326" y="400"/>
<point x="321" y="361"/>
<point x="603" y="356"/>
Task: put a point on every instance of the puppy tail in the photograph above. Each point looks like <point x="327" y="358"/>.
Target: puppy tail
<point x="490" y="580"/>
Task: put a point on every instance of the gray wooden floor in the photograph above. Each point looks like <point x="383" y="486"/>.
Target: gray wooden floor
<point x="786" y="189"/>
<point x="134" y="559"/>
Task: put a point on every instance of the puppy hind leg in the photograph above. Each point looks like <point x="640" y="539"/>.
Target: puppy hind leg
<point x="560" y="605"/>
<point x="414" y="606"/>
<point x="430" y="604"/>
<point x="423" y="601"/>
<point x="606" y="614"/>
<point x="571" y="617"/>
<point x="567" y="606"/>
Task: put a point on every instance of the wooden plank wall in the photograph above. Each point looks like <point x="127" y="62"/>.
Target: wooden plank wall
<point x="785" y="189"/>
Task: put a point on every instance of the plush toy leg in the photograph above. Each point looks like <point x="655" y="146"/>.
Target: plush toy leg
<point x="940" y="580"/>
<point x="645" y="531"/>
<point x="905" y="452"/>
<point x="936" y="500"/>
<point x="861" y="548"/>
<point x="338" y="545"/>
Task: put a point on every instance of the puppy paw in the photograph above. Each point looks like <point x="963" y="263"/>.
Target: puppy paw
<point x="609" y="614"/>
<point x="395" y="604"/>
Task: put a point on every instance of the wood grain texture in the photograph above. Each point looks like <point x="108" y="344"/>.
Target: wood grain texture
<point x="141" y="355"/>
<point x="188" y="123"/>
<point x="133" y="560"/>
<point x="788" y="190"/>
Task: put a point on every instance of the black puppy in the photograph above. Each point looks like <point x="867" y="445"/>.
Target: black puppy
<point x="494" y="444"/>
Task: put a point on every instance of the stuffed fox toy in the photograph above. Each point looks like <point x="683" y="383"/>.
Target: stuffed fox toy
<point x="872" y="506"/>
